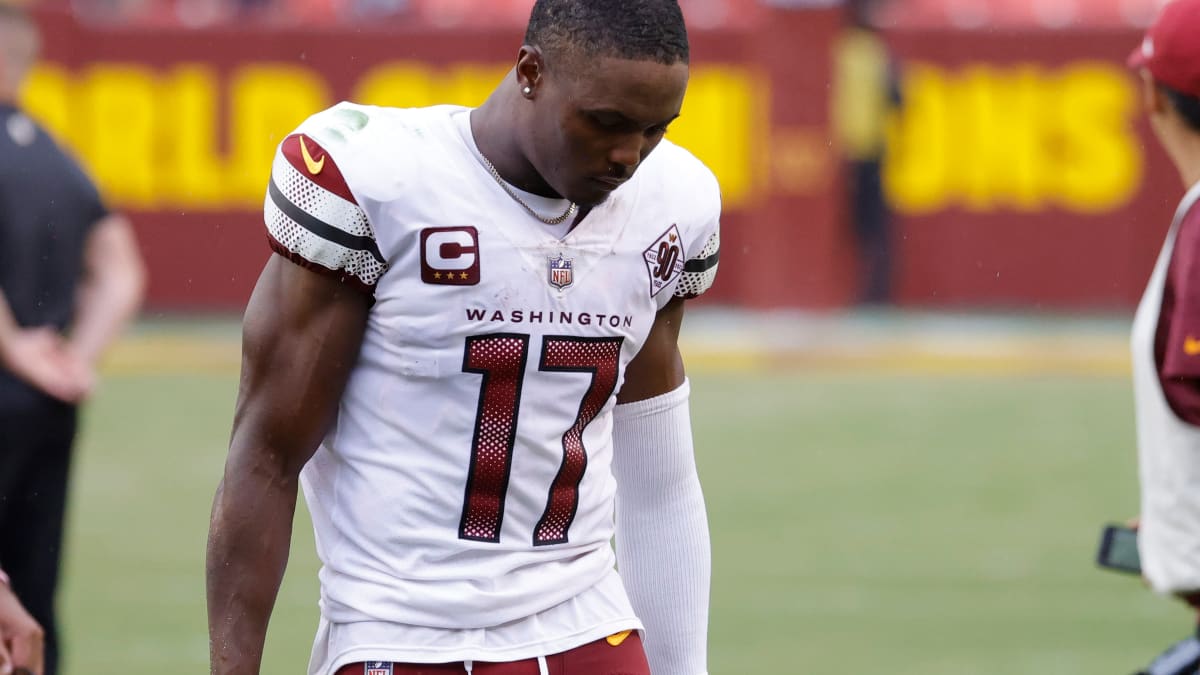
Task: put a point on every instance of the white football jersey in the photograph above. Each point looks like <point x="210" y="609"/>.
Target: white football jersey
<point x="466" y="487"/>
<point x="1168" y="449"/>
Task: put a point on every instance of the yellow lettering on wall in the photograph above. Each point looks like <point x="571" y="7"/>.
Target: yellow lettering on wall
<point x="411" y="84"/>
<point x="1100" y="157"/>
<point x="998" y="117"/>
<point x="470" y="84"/>
<point x="403" y="84"/>
<point x="918" y="171"/>
<point x="266" y="102"/>
<point x="154" y="139"/>
<point x="722" y="119"/>
<point x="722" y="123"/>
<point x="46" y="97"/>
<point x="1020" y="138"/>
<point x="190" y="154"/>
<point x="118" y="128"/>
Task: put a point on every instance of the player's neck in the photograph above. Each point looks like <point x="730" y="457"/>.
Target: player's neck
<point x="1187" y="159"/>
<point x="493" y="125"/>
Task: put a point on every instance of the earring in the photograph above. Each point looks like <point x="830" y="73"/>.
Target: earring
<point x="528" y="90"/>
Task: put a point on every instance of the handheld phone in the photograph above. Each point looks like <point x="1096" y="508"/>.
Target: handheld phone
<point x="1118" y="550"/>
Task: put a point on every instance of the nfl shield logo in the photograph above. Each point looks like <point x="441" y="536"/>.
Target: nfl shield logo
<point x="379" y="668"/>
<point x="562" y="274"/>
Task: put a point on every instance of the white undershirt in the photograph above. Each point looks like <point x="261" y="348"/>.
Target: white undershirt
<point x="547" y="207"/>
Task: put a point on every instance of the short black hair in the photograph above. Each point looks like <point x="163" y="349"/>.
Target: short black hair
<point x="1188" y="107"/>
<point x="650" y="30"/>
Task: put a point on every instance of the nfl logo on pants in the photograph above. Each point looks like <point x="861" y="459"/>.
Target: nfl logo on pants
<point x="379" y="668"/>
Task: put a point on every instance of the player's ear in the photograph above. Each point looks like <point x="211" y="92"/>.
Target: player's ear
<point x="530" y="67"/>
<point x="1154" y="101"/>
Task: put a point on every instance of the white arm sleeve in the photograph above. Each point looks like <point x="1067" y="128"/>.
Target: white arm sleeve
<point x="663" y="550"/>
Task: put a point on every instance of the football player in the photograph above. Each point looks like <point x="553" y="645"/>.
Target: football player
<point x="466" y="353"/>
<point x="1166" y="354"/>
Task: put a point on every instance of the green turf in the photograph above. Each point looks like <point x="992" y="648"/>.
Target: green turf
<point x="901" y="525"/>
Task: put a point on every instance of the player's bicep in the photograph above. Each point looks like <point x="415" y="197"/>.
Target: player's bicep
<point x="658" y="367"/>
<point x="301" y="338"/>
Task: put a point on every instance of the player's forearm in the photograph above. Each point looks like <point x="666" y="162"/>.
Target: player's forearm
<point x="665" y="560"/>
<point x="666" y="563"/>
<point x="248" y="543"/>
<point x="107" y="301"/>
<point x="662" y="531"/>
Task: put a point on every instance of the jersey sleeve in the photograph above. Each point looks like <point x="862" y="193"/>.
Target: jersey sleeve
<point x="700" y="271"/>
<point x="94" y="207"/>
<point x="1181" y="356"/>
<point x="313" y="218"/>
<point x="89" y="202"/>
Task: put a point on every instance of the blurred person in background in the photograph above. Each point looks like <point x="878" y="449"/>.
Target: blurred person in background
<point x="466" y="352"/>
<point x="70" y="278"/>
<point x="1166" y="329"/>
<point x="21" y="638"/>
<point x="866" y="93"/>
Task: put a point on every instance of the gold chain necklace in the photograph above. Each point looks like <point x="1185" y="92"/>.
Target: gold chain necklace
<point x="504" y="185"/>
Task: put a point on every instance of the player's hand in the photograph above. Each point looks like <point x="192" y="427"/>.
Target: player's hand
<point x="1192" y="598"/>
<point x="39" y="356"/>
<point x="83" y="372"/>
<point x="21" y="638"/>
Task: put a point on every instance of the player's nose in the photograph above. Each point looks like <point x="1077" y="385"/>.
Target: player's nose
<point x="626" y="155"/>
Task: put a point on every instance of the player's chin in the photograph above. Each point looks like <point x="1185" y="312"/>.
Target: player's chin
<point x="591" y="195"/>
<point x="591" y="203"/>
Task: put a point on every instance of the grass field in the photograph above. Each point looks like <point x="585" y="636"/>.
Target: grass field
<point x="899" y="523"/>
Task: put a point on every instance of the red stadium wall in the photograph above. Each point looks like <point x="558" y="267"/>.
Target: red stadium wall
<point x="1022" y="177"/>
<point x="1025" y="173"/>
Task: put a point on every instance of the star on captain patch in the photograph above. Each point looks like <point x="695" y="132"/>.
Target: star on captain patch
<point x="562" y="271"/>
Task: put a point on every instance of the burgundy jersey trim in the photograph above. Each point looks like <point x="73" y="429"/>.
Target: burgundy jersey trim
<point x="314" y="163"/>
<point x="320" y="228"/>
<point x="340" y="275"/>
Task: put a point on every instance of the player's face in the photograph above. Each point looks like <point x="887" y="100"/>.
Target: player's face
<point x="598" y="119"/>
